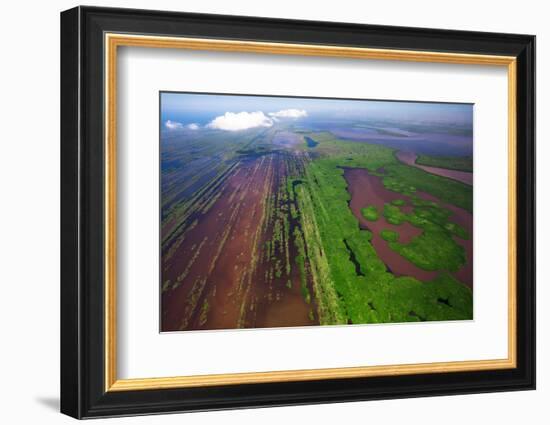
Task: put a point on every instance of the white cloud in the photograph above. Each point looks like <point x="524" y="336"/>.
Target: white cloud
<point x="289" y="113"/>
<point x="173" y="125"/>
<point x="231" y="121"/>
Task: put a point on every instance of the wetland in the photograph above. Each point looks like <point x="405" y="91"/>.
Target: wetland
<point x="273" y="215"/>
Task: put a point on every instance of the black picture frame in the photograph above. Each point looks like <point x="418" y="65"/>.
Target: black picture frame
<point x="83" y="392"/>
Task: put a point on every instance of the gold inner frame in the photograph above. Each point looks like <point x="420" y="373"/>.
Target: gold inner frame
<point x="113" y="41"/>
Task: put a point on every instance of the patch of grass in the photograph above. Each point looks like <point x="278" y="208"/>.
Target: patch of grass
<point x="405" y="295"/>
<point x="407" y="180"/>
<point x="394" y="215"/>
<point x="459" y="163"/>
<point x="398" y="202"/>
<point x="434" y="249"/>
<point x="455" y="229"/>
<point x="203" y="317"/>
<point x="389" y="235"/>
<point x="370" y="213"/>
<point x="434" y="214"/>
<point x="367" y="234"/>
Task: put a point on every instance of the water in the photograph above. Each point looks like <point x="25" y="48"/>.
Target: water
<point x="310" y="142"/>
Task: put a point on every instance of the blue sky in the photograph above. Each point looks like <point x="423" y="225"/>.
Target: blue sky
<point x="184" y="109"/>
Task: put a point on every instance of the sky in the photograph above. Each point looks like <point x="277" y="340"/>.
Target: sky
<point x="239" y="112"/>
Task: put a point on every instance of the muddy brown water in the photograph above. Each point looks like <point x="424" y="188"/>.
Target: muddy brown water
<point x="409" y="158"/>
<point x="217" y="250"/>
<point x="224" y="251"/>
<point x="366" y="189"/>
<point x="272" y="303"/>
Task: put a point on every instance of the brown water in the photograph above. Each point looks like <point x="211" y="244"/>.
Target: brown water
<point x="216" y="253"/>
<point x="222" y="263"/>
<point x="409" y="158"/>
<point x="271" y="303"/>
<point x="366" y="189"/>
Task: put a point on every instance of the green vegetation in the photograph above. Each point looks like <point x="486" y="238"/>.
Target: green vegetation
<point x="370" y="213"/>
<point x="393" y="214"/>
<point x="460" y="163"/>
<point x="435" y="248"/>
<point x="406" y="299"/>
<point x="204" y="313"/>
<point x="398" y="202"/>
<point x="389" y="235"/>
<point x="166" y="285"/>
<point x="343" y="262"/>
<point x="407" y="180"/>
<point x="300" y="261"/>
<point x="455" y="229"/>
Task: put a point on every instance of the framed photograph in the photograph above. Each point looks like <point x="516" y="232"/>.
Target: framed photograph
<point x="261" y="212"/>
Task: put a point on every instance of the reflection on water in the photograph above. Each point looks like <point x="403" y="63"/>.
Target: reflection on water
<point x="428" y="144"/>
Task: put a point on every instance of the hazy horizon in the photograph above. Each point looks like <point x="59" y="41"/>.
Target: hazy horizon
<point x="425" y="127"/>
<point x="201" y="109"/>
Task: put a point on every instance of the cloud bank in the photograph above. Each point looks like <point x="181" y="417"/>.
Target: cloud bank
<point x="289" y="113"/>
<point x="173" y="125"/>
<point x="231" y="121"/>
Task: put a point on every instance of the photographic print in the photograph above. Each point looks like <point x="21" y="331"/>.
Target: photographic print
<point x="261" y="216"/>
<point x="291" y="211"/>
